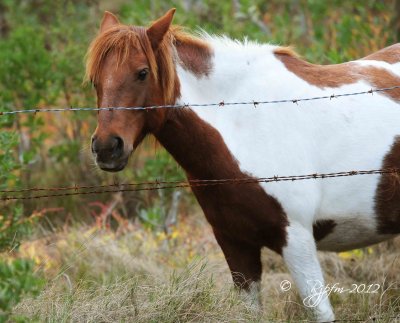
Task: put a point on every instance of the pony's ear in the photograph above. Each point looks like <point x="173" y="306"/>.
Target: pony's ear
<point x="159" y="28"/>
<point x="109" y="20"/>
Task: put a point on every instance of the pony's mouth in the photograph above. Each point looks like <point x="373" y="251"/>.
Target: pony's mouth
<point x="114" y="166"/>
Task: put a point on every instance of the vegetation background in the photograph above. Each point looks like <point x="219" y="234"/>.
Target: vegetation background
<point x="149" y="256"/>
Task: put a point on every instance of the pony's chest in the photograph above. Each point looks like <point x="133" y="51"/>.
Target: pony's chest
<point x="244" y="212"/>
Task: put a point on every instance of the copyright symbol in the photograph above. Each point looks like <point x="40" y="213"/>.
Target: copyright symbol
<point x="285" y="285"/>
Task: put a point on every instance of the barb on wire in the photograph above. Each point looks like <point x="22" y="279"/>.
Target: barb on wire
<point x="218" y="104"/>
<point x="159" y="185"/>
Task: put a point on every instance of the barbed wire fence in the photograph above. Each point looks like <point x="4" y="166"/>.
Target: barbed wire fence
<point x="158" y="185"/>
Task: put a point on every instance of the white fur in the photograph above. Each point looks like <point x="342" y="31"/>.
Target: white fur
<point x="343" y="134"/>
<point x="300" y="256"/>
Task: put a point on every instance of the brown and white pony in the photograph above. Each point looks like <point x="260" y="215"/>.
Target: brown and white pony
<point x="137" y="66"/>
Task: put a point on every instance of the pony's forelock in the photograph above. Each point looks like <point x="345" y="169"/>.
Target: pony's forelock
<point x="121" y="40"/>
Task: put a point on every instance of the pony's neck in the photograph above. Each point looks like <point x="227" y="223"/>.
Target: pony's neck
<point x="197" y="147"/>
<point x="203" y="73"/>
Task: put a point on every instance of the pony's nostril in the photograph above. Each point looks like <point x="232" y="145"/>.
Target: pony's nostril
<point x="117" y="146"/>
<point x="95" y="146"/>
<point x="117" y="143"/>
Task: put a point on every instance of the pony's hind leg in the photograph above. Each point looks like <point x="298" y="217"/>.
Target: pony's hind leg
<point x="300" y="255"/>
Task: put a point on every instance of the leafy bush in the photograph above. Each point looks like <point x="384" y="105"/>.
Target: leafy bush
<point x="16" y="280"/>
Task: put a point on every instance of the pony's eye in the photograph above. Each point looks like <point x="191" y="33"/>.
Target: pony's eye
<point x="142" y="74"/>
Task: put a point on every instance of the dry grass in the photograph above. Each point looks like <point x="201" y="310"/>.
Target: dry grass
<point x="136" y="275"/>
<point x="186" y="296"/>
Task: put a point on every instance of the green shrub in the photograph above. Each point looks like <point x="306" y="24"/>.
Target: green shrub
<point x="17" y="279"/>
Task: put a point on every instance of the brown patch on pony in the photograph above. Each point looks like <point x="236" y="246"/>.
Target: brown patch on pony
<point x="387" y="196"/>
<point x="337" y="75"/>
<point x="322" y="228"/>
<point x="381" y="78"/>
<point x="389" y="55"/>
<point x="319" y="75"/>
<point x="244" y="217"/>
<point x="195" y="54"/>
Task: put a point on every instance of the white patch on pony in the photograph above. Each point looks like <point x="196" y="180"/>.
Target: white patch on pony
<point x="300" y="256"/>
<point x="392" y="68"/>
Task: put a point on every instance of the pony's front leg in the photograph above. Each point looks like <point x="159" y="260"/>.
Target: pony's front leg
<point x="244" y="261"/>
<point x="300" y="255"/>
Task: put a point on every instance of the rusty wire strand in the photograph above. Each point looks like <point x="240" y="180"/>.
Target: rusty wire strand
<point x="218" y="104"/>
<point x="159" y="185"/>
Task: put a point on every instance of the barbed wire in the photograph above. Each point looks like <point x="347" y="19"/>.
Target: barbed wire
<point x="159" y="185"/>
<point x="195" y="105"/>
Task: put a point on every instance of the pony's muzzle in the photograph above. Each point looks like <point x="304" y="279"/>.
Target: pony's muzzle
<point x="109" y="153"/>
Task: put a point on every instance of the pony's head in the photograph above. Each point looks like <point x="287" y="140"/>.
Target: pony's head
<point x="129" y="66"/>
